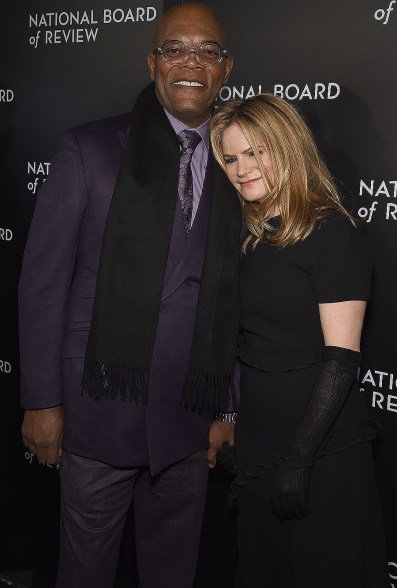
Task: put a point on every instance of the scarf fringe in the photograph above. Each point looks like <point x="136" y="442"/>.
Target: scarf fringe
<point x="208" y="391"/>
<point x="111" y="380"/>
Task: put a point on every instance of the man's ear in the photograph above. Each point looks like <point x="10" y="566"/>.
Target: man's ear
<point x="151" y="65"/>
<point x="229" y="67"/>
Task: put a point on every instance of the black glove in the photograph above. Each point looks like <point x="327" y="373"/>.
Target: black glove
<point x="291" y="490"/>
<point x="336" y="374"/>
<point x="227" y="458"/>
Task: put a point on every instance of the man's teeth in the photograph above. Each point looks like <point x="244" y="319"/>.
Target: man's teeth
<point x="186" y="83"/>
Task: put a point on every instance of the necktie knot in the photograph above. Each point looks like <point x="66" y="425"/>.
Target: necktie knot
<point x="189" y="140"/>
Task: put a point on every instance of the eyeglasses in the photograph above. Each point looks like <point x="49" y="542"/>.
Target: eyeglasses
<point x="177" y="52"/>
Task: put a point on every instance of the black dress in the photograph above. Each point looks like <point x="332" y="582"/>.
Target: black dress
<point x="340" y="544"/>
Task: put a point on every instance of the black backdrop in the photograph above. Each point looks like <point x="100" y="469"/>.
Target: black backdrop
<point x="87" y="59"/>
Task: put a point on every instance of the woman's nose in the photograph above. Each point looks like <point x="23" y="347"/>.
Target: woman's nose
<point x="243" y="169"/>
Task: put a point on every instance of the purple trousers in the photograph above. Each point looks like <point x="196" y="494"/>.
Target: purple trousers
<point x="168" y="509"/>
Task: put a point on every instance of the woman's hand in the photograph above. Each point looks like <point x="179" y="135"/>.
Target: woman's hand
<point x="290" y="496"/>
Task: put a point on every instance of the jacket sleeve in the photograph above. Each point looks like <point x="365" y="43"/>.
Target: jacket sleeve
<point x="47" y="272"/>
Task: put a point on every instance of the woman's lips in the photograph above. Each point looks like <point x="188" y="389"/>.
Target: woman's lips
<point x="248" y="182"/>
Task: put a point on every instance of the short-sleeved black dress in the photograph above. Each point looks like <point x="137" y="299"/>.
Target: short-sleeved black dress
<point x="340" y="544"/>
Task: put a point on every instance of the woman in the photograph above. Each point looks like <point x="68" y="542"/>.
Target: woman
<point x="308" y="506"/>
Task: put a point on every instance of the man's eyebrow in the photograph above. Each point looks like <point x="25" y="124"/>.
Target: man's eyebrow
<point x="201" y="42"/>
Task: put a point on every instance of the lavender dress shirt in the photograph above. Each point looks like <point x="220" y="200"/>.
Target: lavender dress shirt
<point x="199" y="158"/>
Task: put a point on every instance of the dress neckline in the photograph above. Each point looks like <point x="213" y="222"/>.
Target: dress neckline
<point x="274" y="221"/>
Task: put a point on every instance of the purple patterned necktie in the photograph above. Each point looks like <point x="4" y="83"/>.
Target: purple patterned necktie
<point x="189" y="141"/>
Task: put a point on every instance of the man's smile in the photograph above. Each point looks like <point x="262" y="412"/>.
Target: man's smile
<point x="188" y="83"/>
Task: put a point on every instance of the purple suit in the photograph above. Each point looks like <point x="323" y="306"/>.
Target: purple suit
<point x="56" y="298"/>
<point x="56" y="293"/>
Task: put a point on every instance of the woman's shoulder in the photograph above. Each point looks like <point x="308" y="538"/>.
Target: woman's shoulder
<point x="341" y="260"/>
<point x="335" y="220"/>
<point x="338" y="228"/>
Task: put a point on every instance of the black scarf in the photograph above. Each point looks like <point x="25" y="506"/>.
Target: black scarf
<point x="132" y="265"/>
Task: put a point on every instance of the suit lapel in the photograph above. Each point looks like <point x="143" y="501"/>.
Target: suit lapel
<point x="177" y="244"/>
<point x="123" y="136"/>
<point x="195" y="243"/>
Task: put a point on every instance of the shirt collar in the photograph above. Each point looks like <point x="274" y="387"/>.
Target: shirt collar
<point x="203" y="130"/>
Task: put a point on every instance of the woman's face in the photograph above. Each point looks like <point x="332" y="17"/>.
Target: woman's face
<point x="241" y="166"/>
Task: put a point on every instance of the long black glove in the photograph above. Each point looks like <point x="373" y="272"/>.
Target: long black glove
<point x="336" y="374"/>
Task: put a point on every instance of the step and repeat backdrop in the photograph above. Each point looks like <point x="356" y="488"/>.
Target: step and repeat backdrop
<point x="65" y="63"/>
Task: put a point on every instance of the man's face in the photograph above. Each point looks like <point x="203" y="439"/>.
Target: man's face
<point x="190" y="104"/>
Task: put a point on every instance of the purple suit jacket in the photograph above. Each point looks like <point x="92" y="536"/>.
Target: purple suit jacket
<point x="56" y="297"/>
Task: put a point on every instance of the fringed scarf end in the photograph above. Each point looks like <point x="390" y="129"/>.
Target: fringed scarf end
<point x="110" y="380"/>
<point x="208" y="391"/>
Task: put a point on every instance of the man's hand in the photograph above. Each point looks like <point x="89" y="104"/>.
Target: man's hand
<point x="219" y="434"/>
<point x="42" y="433"/>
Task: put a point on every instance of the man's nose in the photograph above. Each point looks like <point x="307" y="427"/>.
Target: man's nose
<point x="192" y="60"/>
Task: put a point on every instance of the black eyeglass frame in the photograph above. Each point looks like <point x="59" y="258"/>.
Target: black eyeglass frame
<point x="222" y="52"/>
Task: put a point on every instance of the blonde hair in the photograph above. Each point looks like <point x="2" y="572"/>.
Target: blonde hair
<point x="302" y="189"/>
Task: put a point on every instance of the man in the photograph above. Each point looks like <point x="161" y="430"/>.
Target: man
<point x="129" y="287"/>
